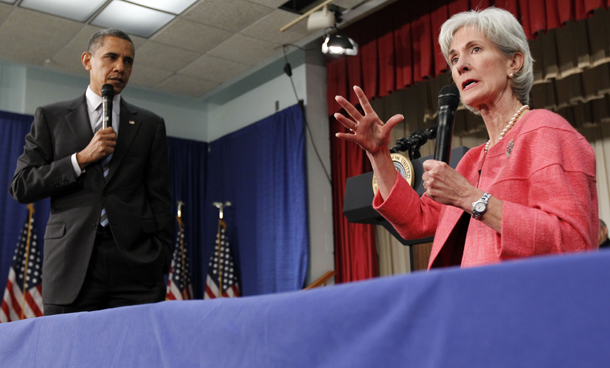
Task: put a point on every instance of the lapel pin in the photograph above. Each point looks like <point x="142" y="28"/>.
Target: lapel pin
<point x="132" y="122"/>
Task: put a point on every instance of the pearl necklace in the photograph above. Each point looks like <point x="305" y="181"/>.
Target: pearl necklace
<point x="508" y="126"/>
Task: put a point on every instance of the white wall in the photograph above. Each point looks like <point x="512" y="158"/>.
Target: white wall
<point x="255" y="104"/>
<point x="12" y="87"/>
<point x="24" y="88"/>
<point x="319" y="186"/>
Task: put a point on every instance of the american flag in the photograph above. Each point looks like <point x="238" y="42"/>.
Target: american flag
<point x="222" y="268"/>
<point x="24" y="301"/>
<point x="179" y="285"/>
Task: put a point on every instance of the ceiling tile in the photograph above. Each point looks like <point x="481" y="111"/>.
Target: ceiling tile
<point x="32" y="37"/>
<point x="138" y="41"/>
<point x="232" y="15"/>
<point x="212" y="42"/>
<point x="147" y="77"/>
<point x="245" y="50"/>
<point x="215" y="69"/>
<point x="159" y="56"/>
<point x="183" y="84"/>
<point x="191" y="35"/>
<point x="268" y="28"/>
<point x="81" y="40"/>
<point x="270" y="3"/>
<point x="5" y="10"/>
<point x="68" y="60"/>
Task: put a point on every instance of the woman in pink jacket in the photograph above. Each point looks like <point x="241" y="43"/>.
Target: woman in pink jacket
<point x="530" y="190"/>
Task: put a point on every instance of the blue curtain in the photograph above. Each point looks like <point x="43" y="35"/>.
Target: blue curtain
<point x="187" y="165"/>
<point x="261" y="170"/>
<point x="14" y="128"/>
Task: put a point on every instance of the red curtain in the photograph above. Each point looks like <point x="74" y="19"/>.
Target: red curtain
<point x="355" y="246"/>
<point x="399" y="48"/>
<point x="398" y="44"/>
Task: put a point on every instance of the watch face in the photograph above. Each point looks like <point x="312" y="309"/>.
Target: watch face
<point x="480" y="207"/>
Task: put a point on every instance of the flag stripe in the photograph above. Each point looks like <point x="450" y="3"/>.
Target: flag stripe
<point x="221" y="268"/>
<point x="32" y="309"/>
<point x="179" y="285"/>
<point x="13" y="301"/>
<point x="211" y="289"/>
<point x="5" y="312"/>
<point x="15" y="295"/>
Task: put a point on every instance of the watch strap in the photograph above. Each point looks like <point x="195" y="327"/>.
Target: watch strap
<point x="484" y="199"/>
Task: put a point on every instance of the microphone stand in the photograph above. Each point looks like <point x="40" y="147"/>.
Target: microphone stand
<point x="414" y="142"/>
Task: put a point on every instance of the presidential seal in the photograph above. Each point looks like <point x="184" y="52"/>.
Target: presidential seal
<point x="404" y="168"/>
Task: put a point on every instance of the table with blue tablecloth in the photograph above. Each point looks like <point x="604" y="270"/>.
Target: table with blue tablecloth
<point x="541" y="312"/>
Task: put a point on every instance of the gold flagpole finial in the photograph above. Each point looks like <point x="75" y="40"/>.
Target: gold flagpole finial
<point x="221" y="207"/>
<point x="180" y="204"/>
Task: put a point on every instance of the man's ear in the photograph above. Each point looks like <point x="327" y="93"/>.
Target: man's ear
<point x="86" y="59"/>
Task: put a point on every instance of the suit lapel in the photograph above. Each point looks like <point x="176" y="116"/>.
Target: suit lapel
<point x="77" y="117"/>
<point x="128" y="128"/>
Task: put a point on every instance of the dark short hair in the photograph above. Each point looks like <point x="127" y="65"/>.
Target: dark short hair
<point x="98" y="38"/>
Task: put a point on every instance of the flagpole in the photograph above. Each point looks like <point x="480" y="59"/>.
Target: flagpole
<point x="220" y="207"/>
<point x="180" y="225"/>
<point x="27" y="257"/>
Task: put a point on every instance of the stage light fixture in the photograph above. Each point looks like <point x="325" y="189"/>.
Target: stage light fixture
<point x="320" y="19"/>
<point x="338" y="44"/>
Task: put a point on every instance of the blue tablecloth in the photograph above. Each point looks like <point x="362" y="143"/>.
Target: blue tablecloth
<point x="543" y="312"/>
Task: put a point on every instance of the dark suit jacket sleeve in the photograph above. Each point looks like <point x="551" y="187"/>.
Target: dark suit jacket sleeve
<point x="157" y="185"/>
<point x="39" y="174"/>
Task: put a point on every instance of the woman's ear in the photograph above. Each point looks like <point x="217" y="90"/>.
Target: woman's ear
<point x="515" y="62"/>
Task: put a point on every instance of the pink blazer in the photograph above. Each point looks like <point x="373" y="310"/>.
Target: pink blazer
<point x="544" y="172"/>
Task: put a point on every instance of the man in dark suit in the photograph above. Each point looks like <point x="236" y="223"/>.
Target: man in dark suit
<point x="109" y="236"/>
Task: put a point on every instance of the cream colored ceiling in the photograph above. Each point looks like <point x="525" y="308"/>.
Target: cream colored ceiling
<point x="211" y="43"/>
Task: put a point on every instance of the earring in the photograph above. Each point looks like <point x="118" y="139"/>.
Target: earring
<point x="511" y="75"/>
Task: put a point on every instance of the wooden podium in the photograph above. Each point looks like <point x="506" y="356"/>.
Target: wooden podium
<point x="358" y="201"/>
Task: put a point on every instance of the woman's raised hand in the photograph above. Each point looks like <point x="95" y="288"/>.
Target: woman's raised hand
<point x="367" y="130"/>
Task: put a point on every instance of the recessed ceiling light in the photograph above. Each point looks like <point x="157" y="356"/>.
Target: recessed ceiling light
<point x="72" y="9"/>
<point x="172" y="6"/>
<point x="132" y="18"/>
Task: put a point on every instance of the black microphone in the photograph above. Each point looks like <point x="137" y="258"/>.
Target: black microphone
<point x="448" y="101"/>
<point x="107" y="96"/>
<point x="414" y="141"/>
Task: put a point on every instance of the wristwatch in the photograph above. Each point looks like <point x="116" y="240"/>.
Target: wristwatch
<point x="480" y="207"/>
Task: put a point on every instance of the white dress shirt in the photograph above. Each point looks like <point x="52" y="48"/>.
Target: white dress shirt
<point x="93" y="102"/>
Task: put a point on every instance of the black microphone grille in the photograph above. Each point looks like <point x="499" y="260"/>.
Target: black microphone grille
<point x="449" y="96"/>
<point x="108" y="90"/>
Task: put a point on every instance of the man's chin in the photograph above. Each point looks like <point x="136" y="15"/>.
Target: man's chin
<point x="118" y="86"/>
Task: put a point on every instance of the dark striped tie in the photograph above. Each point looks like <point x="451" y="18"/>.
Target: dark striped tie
<point x="105" y="166"/>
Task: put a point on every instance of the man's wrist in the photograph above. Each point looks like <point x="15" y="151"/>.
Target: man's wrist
<point x="78" y="168"/>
